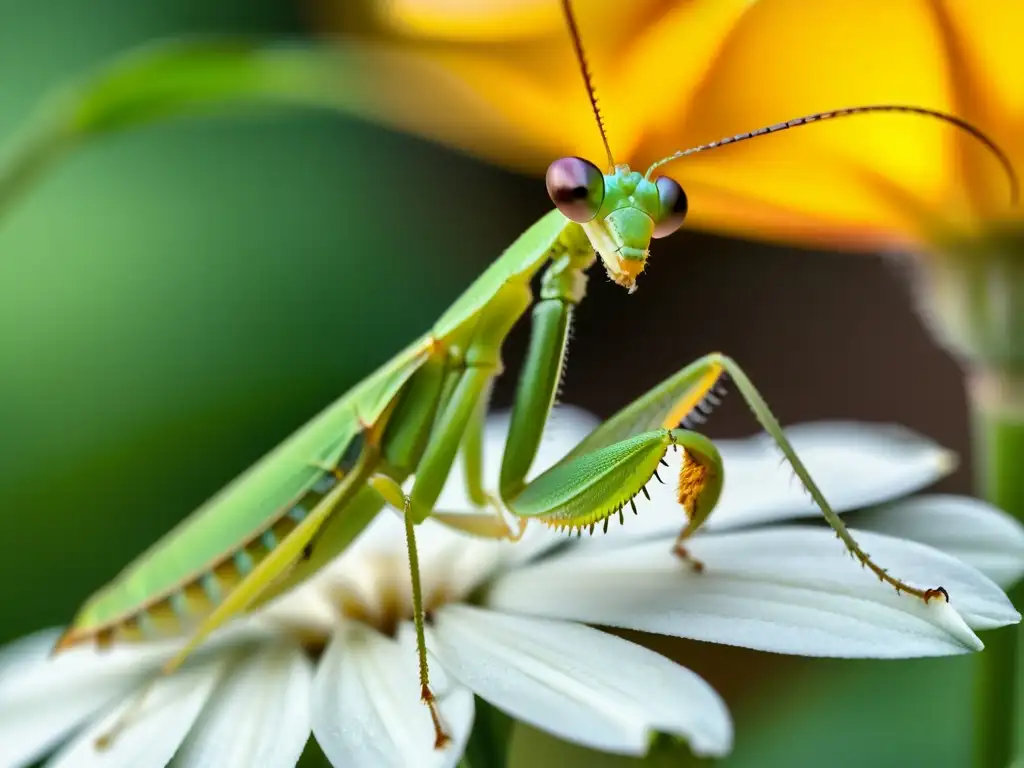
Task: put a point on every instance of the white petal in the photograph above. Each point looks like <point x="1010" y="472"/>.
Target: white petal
<point x="43" y="699"/>
<point x="787" y="590"/>
<point x="367" y="709"/>
<point x="854" y="465"/>
<point x="537" y="541"/>
<point x="453" y="563"/>
<point x="974" y="531"/>
<point x="154" y="734"/>
<point x="259" y="715"/>
<point x="580" y="684"/>
<point x="375" y="570"/>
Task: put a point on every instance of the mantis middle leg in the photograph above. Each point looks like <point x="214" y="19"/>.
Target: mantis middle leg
<point x="460" y="419"/>
<point x="612" y="464"/>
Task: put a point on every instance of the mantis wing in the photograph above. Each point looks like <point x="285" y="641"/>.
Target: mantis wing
<point x="265" y="492"/>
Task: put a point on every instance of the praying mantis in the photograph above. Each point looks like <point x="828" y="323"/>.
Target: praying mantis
<point x="303" y="503"/>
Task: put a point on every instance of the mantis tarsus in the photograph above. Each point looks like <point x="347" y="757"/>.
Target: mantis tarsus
<point x="304" y="502"/>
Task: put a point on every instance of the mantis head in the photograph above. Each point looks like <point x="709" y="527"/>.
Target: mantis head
<point x="623" y="210"/>
<point x="620" y="212"/>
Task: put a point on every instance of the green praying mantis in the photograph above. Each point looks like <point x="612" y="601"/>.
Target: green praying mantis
<point x="303" y="503"/>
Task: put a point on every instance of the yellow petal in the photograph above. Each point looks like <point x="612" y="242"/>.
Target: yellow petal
<point x="986" y="66"/>
<point x="787" y="58"/>
<point x="517" y="100"/>
<point x="444" y="97"/>
<point x="469" y="20"/>
<point x="499" y="80"/>
<point x="478" y="22"/>
<point x="656" y="73"/>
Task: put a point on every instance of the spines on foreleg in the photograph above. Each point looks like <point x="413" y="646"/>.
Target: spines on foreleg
<point x="710" y="397"/>
<point x="588" y="490"/>
<point x="698" y="489"/>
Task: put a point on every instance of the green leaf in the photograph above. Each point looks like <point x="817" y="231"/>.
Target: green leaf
<point x="175" y="79"/>
<point x="183" y="77"/>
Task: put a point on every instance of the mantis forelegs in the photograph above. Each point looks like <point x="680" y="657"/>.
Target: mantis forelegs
<point x="536" y="393"/>
<point x="612" y="464"/>
<point x="563" y="286"/>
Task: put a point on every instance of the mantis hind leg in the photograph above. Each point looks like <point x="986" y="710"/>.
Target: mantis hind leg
<point x="458" y="421"/>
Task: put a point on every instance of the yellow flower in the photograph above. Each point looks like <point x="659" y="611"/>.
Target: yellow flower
<point x="499" y="81"/>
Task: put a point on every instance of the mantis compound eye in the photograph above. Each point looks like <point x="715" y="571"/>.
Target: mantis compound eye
<point x="672" y="207"/>
<point x="576" y="187"/>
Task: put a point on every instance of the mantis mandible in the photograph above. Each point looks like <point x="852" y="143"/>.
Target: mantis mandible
<point x="304" y="502"/>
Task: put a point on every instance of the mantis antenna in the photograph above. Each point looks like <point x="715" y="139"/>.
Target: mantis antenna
<point x="577" y="44"/>
<point x="818" y="117"/>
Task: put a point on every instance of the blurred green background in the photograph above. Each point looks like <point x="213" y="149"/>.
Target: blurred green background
<point x="176" y="300"/>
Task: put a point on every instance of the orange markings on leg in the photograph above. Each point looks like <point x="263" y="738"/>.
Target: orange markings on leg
<point x="692" y="478"/>
<point x="685" y="406"/>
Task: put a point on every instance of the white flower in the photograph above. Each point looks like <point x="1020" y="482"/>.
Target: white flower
<point x="337" y="657"/>
<point x="788" y="588"/>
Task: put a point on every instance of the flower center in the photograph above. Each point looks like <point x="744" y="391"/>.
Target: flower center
<point x="376" y="592"/>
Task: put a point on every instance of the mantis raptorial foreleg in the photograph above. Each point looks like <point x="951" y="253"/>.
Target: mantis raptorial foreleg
<point x="473" y="452"/>
<point x="612" y="464"/>
<point x="562" y="287"/>
<point x="461" y="420"/>
<point x="492" y="523"/>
